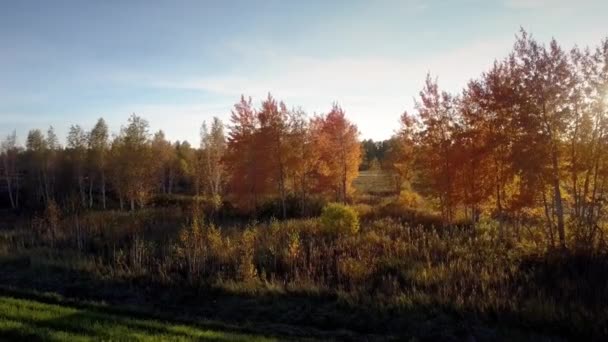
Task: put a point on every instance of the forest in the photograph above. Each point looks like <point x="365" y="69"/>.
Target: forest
<point x="484" y="216"/>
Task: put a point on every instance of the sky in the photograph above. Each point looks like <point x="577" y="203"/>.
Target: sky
<point x="178" y="63"/>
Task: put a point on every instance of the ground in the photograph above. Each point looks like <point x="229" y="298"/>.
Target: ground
<point x="374" y="181"/>
<point x="32" y="320"/>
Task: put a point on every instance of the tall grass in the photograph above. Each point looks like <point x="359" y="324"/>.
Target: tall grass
<point x="387" y="265"/>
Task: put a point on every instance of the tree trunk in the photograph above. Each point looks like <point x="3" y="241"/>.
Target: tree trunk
<point x="10" y="189"/>
<point x="41" y="190"/>
<point x="81" y="190"/>
<point x="171" y="176"/>
<point x="559" y="209"/>
<point x="9" y="182"/>
<point x="549" y="220"/>
<point x="103" y="190"/>
<point x="121" y="200"/>
<point x="282" y="192"/>
<point x="10" y="194"/>
<point x="90" y="192"/>
<point x="17" y="192"/>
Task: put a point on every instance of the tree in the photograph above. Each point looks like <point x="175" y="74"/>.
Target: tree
<point x="272" y="139"/>
<point x="302" y="158"/>
<point x="53" y="148"/>
<point x="116" y="168"/>
<point x="77" y="147"/>
<point x="98" y="154"/>
<point x="401" y="153"/>
<point x="545" y="81"/>
<point x="164" y="162"/>
<point x="187" y="163"/>
<point x="138" y="165"/>
<point x="9" y="152"/>
<point x="491" y="104"/>
<point x="336" y="139"/>
<point x="36" y="149"/>
<point x="438" y="115"/>
<point x="374" y="154"/>
<point x="242" y="160"/>
<point x="213" y="149"/>
<point x="587" y="143"/>
<point x="473" y="156"/>
<point x="369" y="150"/>
<point x="132" y="169"/>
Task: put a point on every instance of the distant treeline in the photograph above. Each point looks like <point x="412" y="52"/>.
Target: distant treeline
<point x="270" y="152"/>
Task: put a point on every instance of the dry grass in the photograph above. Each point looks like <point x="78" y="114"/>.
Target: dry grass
<point x="374" y="182"/>
<point x="389" y="272"/>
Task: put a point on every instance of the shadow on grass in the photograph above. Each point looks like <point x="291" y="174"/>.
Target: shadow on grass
<point x="270" y="314"/>
<point x="570" y="277"/>
<point x="92" y="324"/>
<point x="283" y="315"/>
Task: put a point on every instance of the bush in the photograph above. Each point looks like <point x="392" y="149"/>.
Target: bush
<point x="339" y="219"/>
<point x="363" y="210"/>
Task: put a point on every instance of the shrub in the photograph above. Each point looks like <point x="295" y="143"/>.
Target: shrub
<point x="411" y="199"/>
<point x="339" y="219"/>
<point x="246" y="269"/>
<point x="363" y="210"/>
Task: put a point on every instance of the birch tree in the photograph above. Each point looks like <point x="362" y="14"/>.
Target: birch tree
<point x="9" y="153"/>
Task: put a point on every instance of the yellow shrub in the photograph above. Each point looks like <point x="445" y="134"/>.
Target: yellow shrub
<point x="410" y="199"/>
<point x="339" y="219"/>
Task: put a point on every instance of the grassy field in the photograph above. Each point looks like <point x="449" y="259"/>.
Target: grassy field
<point x="150" y="274"/>
<point x="30" y="320"/>
<point x="374" y="181"/>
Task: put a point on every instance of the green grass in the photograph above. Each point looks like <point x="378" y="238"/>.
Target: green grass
<point x="29" y="320"/>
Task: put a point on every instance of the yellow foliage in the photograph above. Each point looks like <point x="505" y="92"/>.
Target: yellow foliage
<point x="339" y="219"/>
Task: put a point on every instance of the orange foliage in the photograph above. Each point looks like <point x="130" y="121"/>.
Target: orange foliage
<point x="274" y="152"/>
<point x="336" y="140"/>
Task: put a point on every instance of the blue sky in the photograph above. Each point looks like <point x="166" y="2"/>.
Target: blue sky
<point x="178" y="63"/>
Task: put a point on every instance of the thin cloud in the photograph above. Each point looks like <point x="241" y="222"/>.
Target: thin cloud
<point x="366" y="87"/>
<point x="178" y="121"/>
<point x="540" y="4"/>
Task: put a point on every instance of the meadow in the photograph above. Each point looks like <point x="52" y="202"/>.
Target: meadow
<point x="388" y="274"/>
